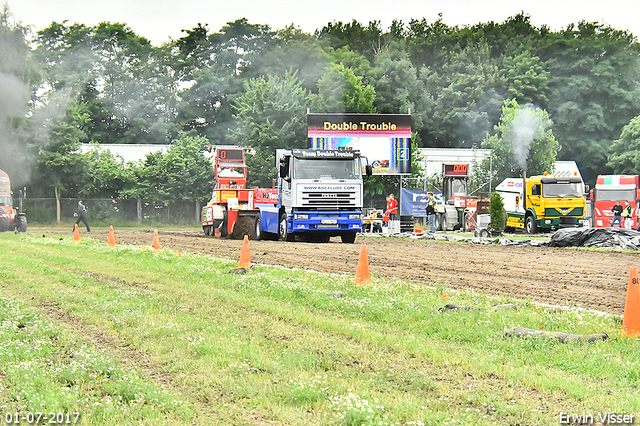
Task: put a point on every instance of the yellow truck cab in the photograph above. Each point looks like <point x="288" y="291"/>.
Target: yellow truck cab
<point x="551" y="202"/>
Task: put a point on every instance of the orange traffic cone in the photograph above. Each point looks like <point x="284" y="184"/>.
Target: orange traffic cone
<point x="245" y="257"/>
<point x="111" y="241"/>
<point x="362" y="271"/>
<point x="631" y="318"/>
<point x="76" y="234"/>
<point x="156" y="242"/>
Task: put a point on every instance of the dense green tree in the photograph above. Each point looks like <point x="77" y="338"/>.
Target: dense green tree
<point x="270" y="115"/>
<point x="624" y="153"/>
<point x="61" y="165"/>
<point x="340" y="90"/>
<point x="429" y="44"/>
<point x="187" y="171"/>
<point x="292" y="51"/>
<point x="106" y="176"/>
<point x="211" y="72"/>
<point x="356" y="62"/>
<point x="366" y="40"/>
<point x="182" y="174"/>
<point x="398" y="89"/>
<point x="526" y="79"/>
<point x="118" y="75"/>
<point x="18" y="73"/>
<point x="523" y="142"/>
<point x="594" y="87"/>
<point x="467" y="94"/>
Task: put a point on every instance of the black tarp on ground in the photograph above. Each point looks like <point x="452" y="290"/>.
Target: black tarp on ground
<point x="596" y="237"/>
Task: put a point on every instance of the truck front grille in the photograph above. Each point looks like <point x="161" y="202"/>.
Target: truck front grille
<point x="329" y="200"/>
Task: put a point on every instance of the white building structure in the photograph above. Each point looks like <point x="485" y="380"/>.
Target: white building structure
<point x="130" y="153"/>
<point x="434" y="158"/>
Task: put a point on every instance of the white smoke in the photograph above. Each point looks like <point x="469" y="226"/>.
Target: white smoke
<point x="526" y="127"/>
<point x="14" y="95"/>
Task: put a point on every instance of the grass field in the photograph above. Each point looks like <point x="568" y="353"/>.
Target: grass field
<point x="127" y="335"/>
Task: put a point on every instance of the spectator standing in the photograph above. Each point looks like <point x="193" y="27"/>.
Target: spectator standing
<point x="431" y="212"/>
<point x="617" y="215"/>
<point x="81" y="214"/>
<point x="392" y="207"/>
<point x="627" y="215"/>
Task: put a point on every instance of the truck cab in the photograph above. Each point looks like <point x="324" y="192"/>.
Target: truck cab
<point x="455" y="192"/>
<point x="320" y="195"/>
<point x="546" y="202"/>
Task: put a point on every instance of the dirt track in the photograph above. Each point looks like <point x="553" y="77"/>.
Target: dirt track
<point x="595" y="279"/>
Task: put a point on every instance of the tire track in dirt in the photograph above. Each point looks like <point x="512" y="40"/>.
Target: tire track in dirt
<point x="594" y="279"/>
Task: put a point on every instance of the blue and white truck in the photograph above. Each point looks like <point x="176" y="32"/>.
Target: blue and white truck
<point x="319" y="196"/>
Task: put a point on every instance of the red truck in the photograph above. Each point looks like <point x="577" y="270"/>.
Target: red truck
<point x="232" y="209"/>
<point x="608" y="191"/>
<point x="10" y="218"/>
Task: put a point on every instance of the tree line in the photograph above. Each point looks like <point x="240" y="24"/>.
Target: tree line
<point x="531" y="94"/>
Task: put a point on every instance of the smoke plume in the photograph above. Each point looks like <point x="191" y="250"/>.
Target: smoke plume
<point x="14" y="95"/>
<point x="526" y="127"/>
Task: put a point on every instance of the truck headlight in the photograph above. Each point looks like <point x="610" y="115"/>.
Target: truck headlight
<point x="547" y="221"/>
<point x="301" y="216"/>
<point x="354" y="216"/>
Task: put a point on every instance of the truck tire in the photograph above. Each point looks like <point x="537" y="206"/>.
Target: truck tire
<point x="5" y="224"/>
<point x="223" y="225"/>
<point x="257" y="227"/>
<point x="21" y="223"/>
<point x="283" y="233"/>
<point x="465" y="222"/>
<point x="443" y="222"/>
<point x="349" y="237"/>
<point x="530" y="226"/>
<point x="207" y="230"/>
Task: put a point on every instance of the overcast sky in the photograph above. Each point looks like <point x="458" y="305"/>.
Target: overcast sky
<point x="159" y="20"/>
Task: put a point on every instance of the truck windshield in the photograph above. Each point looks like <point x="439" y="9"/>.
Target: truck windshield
<point x="615" y="194"/>
<point x="6" y="201"/>
<point x="562" y="190"/>
<point x="458" y="187"/>
<point x="324" y="168"/>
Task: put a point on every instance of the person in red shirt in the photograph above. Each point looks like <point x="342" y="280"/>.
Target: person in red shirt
<point x="392" y="207"/>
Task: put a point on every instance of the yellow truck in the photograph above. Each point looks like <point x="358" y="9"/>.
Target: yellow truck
<point x="551" y="202"/>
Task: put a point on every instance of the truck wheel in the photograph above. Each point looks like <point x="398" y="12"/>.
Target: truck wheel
<point x="207" y="230"/>
<point x="465" y="223"/>
<point x="443" y="222"/>
<point x="257" y="230"/>
<point x="22" y="223"/>
<point x="5" y="224"/>
<point x="283" y="233"/>
<point x="530" y="225"/>
<point x="223" y="225"/>
<point x="348" y="238"/>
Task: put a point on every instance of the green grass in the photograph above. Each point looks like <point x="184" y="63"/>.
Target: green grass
<point x="127" y="335"/>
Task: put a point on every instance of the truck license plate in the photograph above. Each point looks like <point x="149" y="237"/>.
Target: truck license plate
<point x="329" y="221"/>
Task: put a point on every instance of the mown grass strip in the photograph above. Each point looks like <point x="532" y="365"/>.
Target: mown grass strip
<point x="46" y="370"/>
<point x="307" y="348"/>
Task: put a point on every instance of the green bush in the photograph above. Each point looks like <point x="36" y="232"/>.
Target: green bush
<point x="497" y="212"/>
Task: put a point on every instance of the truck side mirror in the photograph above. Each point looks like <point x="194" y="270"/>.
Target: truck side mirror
<point x="284" y="167"/>
<point x="586" y="188"/>
<point x="368" y="170"/>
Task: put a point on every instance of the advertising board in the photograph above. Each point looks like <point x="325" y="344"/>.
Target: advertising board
<point x="384" y="139"/>
<point x="414" y="203"/>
